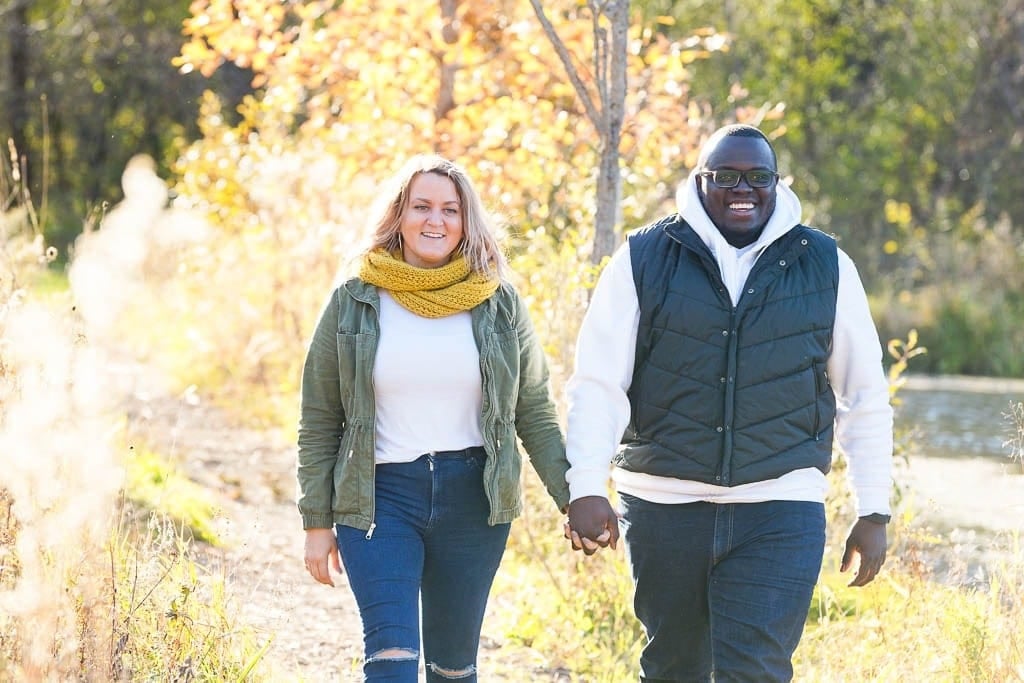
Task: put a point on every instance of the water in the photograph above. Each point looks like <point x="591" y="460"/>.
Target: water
<point x="959" y="471"/>
<point x="957" y="418"/>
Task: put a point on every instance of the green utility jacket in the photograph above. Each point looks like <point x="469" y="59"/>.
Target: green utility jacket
<point x="336" y="426"/>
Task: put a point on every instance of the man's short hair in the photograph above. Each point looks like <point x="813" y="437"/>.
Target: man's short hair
<point x="739" y="130"/>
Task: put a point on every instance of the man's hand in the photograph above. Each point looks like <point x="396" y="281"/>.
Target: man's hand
<point x="320" y="552"/>
<point x="592" y="524"/>
<point x="866" y="539"/>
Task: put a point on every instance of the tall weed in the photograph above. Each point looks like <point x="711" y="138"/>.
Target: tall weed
<point x="1015" y="438"/>
<point x="83" y="596"/>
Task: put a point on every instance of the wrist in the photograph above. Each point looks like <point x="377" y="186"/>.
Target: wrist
<point x="877" y="518"/>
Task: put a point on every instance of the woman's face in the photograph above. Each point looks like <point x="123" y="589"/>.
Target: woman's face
<point x="431" y="221"/>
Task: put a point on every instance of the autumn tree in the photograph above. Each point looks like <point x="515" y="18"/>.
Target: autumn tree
<point x="343" y="92"/>
<point x="476" y="81"/>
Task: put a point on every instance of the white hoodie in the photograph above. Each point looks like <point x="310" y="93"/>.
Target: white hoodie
<point x="605" y="350"/>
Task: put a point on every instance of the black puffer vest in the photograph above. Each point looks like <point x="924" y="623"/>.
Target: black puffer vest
<point x="725" y="395"/>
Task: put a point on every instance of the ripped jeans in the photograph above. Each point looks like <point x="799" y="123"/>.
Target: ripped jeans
<point x="430" y="548"/>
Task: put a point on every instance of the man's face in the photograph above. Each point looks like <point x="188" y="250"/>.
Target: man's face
<point x="739" y="212"/>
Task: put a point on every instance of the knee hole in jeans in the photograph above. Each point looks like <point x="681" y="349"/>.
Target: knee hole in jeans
<point x="452" y="673"/>
<point x="393" y="654"/>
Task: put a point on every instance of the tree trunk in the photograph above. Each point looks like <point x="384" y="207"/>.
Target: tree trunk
<point x="610" y="81"/>
<point x="613" y="91"/>
<point x="446" y="86"/>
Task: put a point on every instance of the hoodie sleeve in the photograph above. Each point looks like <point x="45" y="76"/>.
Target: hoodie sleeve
<point x="596" y="392"/>
<point x="864" y="417"/>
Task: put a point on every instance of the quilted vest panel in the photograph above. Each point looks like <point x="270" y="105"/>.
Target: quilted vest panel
<point x="726" y="395"/>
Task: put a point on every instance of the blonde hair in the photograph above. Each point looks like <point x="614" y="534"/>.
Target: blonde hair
<point x="479" y="243"/>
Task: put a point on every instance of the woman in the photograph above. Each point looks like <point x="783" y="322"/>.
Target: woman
<point x="420" y="375"/>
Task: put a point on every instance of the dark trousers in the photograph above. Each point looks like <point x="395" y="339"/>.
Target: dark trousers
<point x="722" y="589"/>
<point x="431" y="549"/>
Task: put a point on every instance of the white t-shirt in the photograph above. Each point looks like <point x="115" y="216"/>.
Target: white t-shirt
<point x="426" y="382"/>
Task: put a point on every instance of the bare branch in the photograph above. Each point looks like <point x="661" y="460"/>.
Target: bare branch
<point x="600" y="60"/>
<point x="570" y="69"/>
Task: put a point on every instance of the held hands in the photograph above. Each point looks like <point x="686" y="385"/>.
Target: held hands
<point x="592" y="524"/>
<point x="321" y="555"/>
<point x="866" y="539"/>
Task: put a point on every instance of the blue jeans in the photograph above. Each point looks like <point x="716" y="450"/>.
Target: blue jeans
<point x="722" y="589"/>
<point x="431" y="547"/>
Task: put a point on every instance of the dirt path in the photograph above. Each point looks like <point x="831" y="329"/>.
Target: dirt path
<point x="315" y="630"/>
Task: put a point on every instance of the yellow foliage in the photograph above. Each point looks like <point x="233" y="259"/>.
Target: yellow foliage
<point x="478" y="86"/>
<point x="898" y="213"/>
<point x="346" y="92"/>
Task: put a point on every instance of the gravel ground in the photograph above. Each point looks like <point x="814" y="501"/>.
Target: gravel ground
<point x="315" y="630"/>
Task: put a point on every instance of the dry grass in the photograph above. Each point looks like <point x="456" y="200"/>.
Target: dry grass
<point x="84" y="594"/>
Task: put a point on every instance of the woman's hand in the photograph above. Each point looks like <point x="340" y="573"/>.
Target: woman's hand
<point x="321" y="554"/>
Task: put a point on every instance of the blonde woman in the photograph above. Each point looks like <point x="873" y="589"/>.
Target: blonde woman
<point x="421" y="374"/>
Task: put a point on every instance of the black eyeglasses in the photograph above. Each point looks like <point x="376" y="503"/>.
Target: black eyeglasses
<point x="757" y="177"/>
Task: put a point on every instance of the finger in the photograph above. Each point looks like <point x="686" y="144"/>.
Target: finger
<point x="566" y="530"/>
<point x="847" y="560"/>
<point x="604" y="538"/>
<point x="318" y="570"/>
<point x="864" y="576"/>
<point x="866" y="573"/>
<point x="582" y="543"/>
<point x="324" y="576"/>
<point x="613" y="529"/>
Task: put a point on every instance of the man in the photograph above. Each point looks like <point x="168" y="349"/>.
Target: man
<point x="724" y="347"/>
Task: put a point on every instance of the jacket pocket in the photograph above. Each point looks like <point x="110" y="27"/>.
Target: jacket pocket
<point x="346" y="477"/>
<point x="505" y="484"/>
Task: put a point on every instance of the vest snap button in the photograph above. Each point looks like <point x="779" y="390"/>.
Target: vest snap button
<point x="803" y="242"/>
<point x="750" y="291"/>
<point x="718" y="429"/>
<point x="725" y="333"/>
<point x="782" y="263"/>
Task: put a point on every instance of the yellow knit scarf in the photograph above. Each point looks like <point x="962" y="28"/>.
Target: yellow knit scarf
<point x="429" y="292"/>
